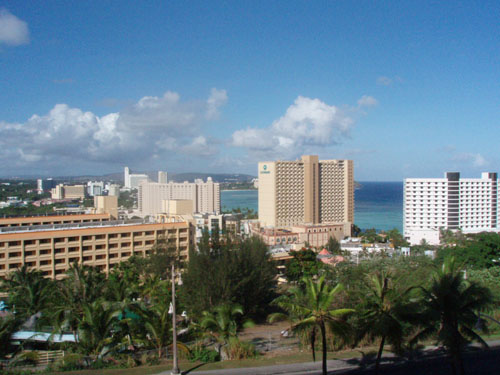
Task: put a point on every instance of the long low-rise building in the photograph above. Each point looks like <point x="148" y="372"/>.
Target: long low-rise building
<point x="450" y="203"/>
<point x="53" y="248"/>
<point x="53" y="219"/>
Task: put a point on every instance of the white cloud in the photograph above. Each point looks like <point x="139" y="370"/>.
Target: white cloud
<point x="13" y="31"/>
<point x="388" y="81"/>
<point x="367" y="101"/>
<point x="216" y="99"/>
<point x="477" y="160"/>
<point x="307" y="123"/>
<point x="199" y="147"/>
<point x="154" y="127"/>
<point x="384" y="81"/>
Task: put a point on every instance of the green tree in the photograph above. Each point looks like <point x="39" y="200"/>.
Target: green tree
<point x="303" y="264"/>
<point x="8" y="325"/>
<point x="241" y="273"/>
<point x="158" y="324"/>
<point x="221" y="323"/>
<point x="371" y="236"/>
<point x="355" y="230"/>
<point x="333" y="246"/>
<point x="396" y="238"/>
<point x="382" y="312"/>
<point x="29" y="292"/>
<point x="82" y="286"/>
<point x="311" y="309"/>
<point x="97" y="328"/>
<point x="450" y="305"/>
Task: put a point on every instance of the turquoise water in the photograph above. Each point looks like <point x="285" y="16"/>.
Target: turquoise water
<point x="377" y="205"/>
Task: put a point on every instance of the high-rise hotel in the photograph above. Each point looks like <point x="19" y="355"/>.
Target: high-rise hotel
<point x="306" y="191"/>
<point x="431" y="204"/>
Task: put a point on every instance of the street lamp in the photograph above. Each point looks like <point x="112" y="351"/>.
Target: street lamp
<point x="175" y="366"/>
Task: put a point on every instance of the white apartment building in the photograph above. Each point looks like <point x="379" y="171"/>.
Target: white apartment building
<point x="204" y="195"/>
<point x="431" y="204"/>
<point x="132" y="181"/>
<point x="306" y="191"/>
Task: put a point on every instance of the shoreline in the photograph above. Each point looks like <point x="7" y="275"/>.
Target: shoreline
<point x="240" y="190"/>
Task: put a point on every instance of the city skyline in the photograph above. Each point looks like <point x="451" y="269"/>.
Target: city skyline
<point x="404" y="90"/>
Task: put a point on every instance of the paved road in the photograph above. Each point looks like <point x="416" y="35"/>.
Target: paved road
<point x="431" y="361"/>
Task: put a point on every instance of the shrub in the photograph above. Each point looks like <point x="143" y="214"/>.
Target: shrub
<point x="200" y="353"/>
<point x="30" y="358"/>
<point x="150" y="359"/>
<point x="71" y="361"/>
<point x="237" y="349"/>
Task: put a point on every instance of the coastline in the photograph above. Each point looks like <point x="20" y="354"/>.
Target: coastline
<point x="240" y="190"/>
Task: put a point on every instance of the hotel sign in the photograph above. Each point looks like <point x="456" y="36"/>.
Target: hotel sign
<point x="264" y="170"/>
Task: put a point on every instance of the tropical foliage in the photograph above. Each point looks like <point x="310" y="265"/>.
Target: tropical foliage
<point x="450" y="306"/>
<point x="397" y="301"/>
<point x="311" y="309"/>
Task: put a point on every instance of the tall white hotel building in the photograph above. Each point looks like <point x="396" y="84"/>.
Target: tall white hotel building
<point x="468" y="204"/>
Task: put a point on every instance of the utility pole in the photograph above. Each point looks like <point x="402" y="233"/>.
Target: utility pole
<point x="175" y="367"/>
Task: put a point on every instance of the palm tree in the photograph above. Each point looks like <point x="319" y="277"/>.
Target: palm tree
<point x="158" y="324"/>
<point x="29" y="292"/>
<point x="382" y="312"/>
<point x="8" y="325"/>
<point x="82" y="286"/>
<point x="97" y="333"/>
<point x="221" y="323"/>
<point x="449" y="311"/>
<point x="311" y="309"/>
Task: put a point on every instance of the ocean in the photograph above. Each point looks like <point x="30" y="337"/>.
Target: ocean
<point x="377" y="205"/>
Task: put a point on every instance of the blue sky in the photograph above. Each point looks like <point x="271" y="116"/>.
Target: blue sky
<point x="405" y="89"/>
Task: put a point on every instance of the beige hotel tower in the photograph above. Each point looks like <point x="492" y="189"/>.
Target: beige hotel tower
<point x="306" y="191"/>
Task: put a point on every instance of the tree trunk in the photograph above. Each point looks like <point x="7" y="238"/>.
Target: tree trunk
<point x="379" y="354"/>
<point x="313" y="343"/>
<point x="323" y="339"/>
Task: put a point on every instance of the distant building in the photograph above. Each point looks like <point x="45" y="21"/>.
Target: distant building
<point x="177" y="207"/>
<point x="306" y="191"/>
<point x="68" y="192"/>
<point x="132" y="181"/>
<point x="316" y="235"/>
<point x="95" y="188"/>
<point x="44" y="185"/>
<point x="204" y="195"/>
<point x="106" y="204"/>
<point x="432" y="204"/>
<point x="113" y="190"/>
<point x="162" y="177"/>
<point x="101" y="244"/>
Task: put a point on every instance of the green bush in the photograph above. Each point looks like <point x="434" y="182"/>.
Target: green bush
<point x="198" y="352"/>
<point x="70" y="362"/>
<point x="150" y="359"/>
<point x="237" y="349"/>
<point x="30" y="358"/>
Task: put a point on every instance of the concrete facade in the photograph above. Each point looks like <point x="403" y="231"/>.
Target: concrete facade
<point x="306" y="191"/>
<point x="106" y="204"/>
<point x="98" y="244"/>
<point x="431" y="204"/>
<point x="204" y="195"/>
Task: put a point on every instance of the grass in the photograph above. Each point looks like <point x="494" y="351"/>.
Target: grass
<point x="263" y="360"/>
<point x="294" y="357"/>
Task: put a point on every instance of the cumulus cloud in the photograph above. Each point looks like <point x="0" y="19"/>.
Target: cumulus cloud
<point x="216" y="99"/>
<point x="306" y="123"/>
<point x="151" y="128"/>
<point x="367" y="101"/>
<point x="477" y="160"/>
<point x="384" y="81"/>
<point x="13" y="31"/>
<point x="388" y="81"/>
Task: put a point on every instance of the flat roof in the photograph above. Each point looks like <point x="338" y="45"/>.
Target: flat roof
<point x="28" y="219"/>
<point x="41" y="231"/>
